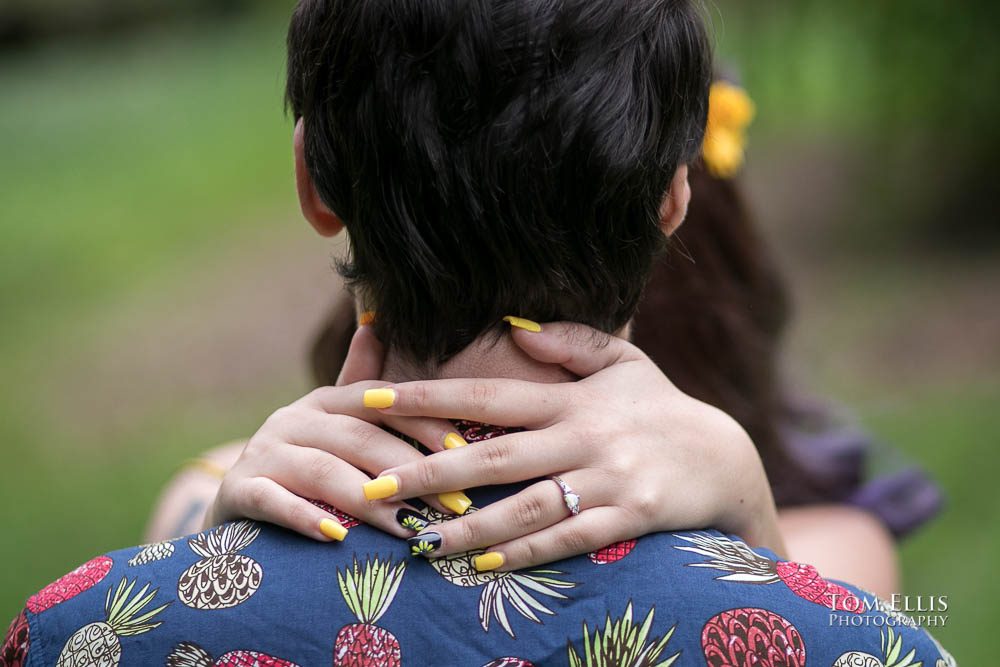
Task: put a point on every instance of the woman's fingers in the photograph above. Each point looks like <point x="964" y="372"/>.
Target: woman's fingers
<point x="311" y="473"/>
<point x="509" y="458"/>
<point x="578" y="348"/>
<point x="359" y="443"/>
<point x="533" y="509"/>
<point x="434" y="434"/>
<point x="264" y="499"/>
<point x="590" y="530"/>
<point x="492" y="401"/>
<point x="331" y="412"/>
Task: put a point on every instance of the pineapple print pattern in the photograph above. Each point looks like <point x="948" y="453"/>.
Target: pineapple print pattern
<point x="100" y="643"/>
<point x="622" y="643"/>
<point x="222" y="578"/>
<point x="188" y="654"/>
<point x="345" y="519"/>
<point x="612" y="553"/>
<point x="478" y="432"/>
<point x="150" y="553"/>
<point x="70" y="585"/>
<point x="745" y="565"/>
<point x="15" y="647"/>
<point x="750" y="637"/>
<point x="368" y="592"/>
<point x="296" y="613"/>
<point x="499" y="588"/>
<point x="892" y="655"/>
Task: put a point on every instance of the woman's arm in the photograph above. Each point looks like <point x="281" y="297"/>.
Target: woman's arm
<point x="185" y="501"/>
<point x="665" y="461"/>
<point x="842" y="542"/>
<point x="845" y="543"/>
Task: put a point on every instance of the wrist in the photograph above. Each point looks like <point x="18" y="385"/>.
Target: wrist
<point x="756" y="519"/>
<point x="761" y="527"/>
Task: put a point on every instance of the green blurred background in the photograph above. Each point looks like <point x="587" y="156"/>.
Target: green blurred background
<point x="158" y="290"/>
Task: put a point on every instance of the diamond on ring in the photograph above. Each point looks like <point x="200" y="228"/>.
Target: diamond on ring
<point x="570" y="497"/>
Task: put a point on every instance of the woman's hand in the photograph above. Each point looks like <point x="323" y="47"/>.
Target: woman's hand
<point x="642" y="455"/>
<point x="326" y="446"/>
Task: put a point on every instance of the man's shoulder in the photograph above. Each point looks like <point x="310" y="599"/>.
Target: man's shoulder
<point x="726" y="603"/>
<point x="226" y="590"/>
<point x="139" y="603"/>
<point x="750" y="600"/>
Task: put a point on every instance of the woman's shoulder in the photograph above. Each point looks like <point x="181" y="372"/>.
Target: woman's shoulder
<point x="856" y="468"/>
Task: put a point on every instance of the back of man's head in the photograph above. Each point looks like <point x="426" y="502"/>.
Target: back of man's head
<point x="495" y="157"/>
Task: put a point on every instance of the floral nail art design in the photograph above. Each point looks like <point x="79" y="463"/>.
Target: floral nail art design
<point x="425" y="543"/>
<point x="411" y="520"/>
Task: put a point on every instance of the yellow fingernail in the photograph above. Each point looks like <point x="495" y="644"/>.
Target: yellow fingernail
<point x="332" y="529"/>
<point x="490" y="560"/>
<point x="366" y="318"/>
<point x="379" y="398"/>
<point x="522" y="323"/>
<point x="381" y="487"/>
<point x="454" y="441"/>
<point x="456" y="501"/>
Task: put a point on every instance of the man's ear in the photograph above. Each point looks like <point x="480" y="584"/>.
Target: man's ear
<point x="319" y="215"/>
<point x="674" y="208"/>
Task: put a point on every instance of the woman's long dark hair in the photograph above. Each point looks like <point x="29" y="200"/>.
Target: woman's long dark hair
<point x="712" y="317"/>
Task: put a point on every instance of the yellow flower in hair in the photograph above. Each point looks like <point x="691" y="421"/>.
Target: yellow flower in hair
<point x="730" y="111"/>
<point x="723" y="153"/>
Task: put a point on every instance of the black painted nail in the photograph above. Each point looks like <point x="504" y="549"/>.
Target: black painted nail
<point x="411" y="519"/>
<point x="423" y="544"/>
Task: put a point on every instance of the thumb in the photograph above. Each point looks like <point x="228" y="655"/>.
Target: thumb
<point x="580" y="349"/>
<point x="364" y="359"/>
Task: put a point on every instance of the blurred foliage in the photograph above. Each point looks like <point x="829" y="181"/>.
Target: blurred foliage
<point x="122" y="163"/>
<point x="25" y="22"/>
<point x="910" y="85"/>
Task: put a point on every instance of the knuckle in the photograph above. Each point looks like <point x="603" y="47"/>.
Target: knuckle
<point x="585" y="440"/>
<point x="481" y="395"/>
<point x="427" y="474"/>
<point x="256" y="499"/>
<point x="362" y="434"/>
<point x="416" y="396"/>
<point x="573" y="540"/>
<point x="621" y="466"/>
<point x="299" y="516"/>
<point x="280" y="417"/>
<point x="322" y="472"/>
<point x="472" y="532"/>
<point x="528" y="512"/>
<point x="561" y="399"/>
<point x="226" y="493"/>
<point x="592" y="436"/>
<point x="644" y="504"/>
<point x="256" y="448"/>
<point x="492" y="457"/>
<point x="338" y="423"/>
<point x="523" y="553"/>
<point x="320" y="395"/>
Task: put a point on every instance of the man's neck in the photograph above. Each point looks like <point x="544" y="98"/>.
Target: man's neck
<point x="483" y="358"/>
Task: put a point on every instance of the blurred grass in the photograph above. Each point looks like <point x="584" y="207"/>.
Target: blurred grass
<point x="952" y="431"/>
<point x="126" y="161"/>
<point x="118" y="159"/>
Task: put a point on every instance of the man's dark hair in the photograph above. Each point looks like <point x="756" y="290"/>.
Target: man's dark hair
<point x="497" y="157"/>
